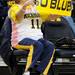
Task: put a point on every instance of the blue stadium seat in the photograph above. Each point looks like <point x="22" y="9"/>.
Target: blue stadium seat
<point x="53" y="31"/>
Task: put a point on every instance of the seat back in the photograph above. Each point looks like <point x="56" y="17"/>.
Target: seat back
<point x="53" y="31"/>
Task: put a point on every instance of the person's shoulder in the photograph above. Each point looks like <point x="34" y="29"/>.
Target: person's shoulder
<point x="13" y="10"/>
<point x="14" y="7"/>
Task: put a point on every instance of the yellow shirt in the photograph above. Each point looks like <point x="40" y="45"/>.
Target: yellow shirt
<point x="12" y="13"/>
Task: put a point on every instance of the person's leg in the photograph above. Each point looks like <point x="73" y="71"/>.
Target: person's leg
<point x="38" y="49"/>
<point x="46" y="56"/>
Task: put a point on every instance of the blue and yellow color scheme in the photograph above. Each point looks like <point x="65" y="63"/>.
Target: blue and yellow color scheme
<point x="45" y="8"/>
<point x="58" y="7"/>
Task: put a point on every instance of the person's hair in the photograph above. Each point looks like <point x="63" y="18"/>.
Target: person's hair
<point x="16" y="1"/>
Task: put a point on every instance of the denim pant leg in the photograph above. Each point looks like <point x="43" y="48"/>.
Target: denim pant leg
<point x="37" y="50"/>
<point x="46" y="55"/>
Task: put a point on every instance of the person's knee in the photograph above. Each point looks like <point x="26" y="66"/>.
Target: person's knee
<point x="47" y="43"/>
<point x="39" y="45"/>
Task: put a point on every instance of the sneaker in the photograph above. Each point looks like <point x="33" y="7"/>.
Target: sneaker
<point x="26" y="73"/>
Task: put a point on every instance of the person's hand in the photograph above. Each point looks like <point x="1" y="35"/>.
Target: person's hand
<point x="29" y="2"/>
<point x="53" y="17"/>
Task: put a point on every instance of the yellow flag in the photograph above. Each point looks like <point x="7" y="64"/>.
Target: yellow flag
<point x="58" y="7"/>
<point x="43" y="9"/>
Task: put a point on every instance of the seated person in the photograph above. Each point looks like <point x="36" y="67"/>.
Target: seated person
<point x="18" y="31"/>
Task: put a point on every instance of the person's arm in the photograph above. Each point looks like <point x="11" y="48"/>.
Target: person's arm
<point x="17" y="11"/>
